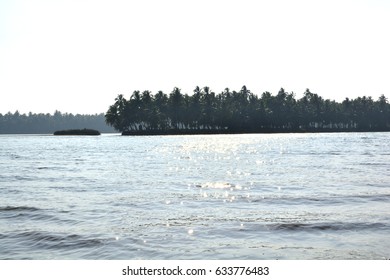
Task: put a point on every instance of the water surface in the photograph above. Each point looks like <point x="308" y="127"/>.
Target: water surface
<point x="253" y="196"/>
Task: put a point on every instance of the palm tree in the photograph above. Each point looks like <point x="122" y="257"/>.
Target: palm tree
<point x="195" y="110"/>
<point x="175" y="107"/>
<point x="115" y="115"/>
<point x="208" y="104"/>
<point x="160" y="102"/>
<point x="146" y="109"/>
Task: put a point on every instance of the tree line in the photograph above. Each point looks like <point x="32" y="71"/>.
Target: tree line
<point x="244" y="111"/>
<point x="31" y="123"/>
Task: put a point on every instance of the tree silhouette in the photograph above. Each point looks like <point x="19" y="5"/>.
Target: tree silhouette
<point x="243" y="111"/>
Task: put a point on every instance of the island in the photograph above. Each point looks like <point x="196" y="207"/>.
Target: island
<point x="85" y="131"/>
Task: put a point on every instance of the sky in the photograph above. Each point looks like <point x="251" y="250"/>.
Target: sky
<point x="76" y="56"/>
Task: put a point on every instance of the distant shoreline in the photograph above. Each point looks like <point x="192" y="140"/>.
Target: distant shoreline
<point x="219" y="132"/>
<point x="33" y="123"/>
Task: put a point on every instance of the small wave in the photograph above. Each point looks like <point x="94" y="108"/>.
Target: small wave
<point x="18" y="208"/>
<point x="374" y="197"/>
<point x="26" y="213"/>
<point x="219" y="185"/>
<point x="23" y="178"/>
<point x="43" y="168"/>
<point x="374" y="163"/>
<point x="328" y="200"/>
<point x="325" y="226"/>
<point x="46" y="240"/>
<point x="293" y="200"/>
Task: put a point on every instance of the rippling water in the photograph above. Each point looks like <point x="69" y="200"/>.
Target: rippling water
<point x="275" y="196"/>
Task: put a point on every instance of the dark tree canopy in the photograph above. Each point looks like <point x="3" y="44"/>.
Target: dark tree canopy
<point x="243" y="111"/>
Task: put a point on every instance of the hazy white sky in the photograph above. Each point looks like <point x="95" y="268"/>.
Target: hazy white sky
<point x="78" y="55"/>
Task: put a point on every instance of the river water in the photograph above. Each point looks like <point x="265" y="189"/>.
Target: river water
<point x="249" y="196"/>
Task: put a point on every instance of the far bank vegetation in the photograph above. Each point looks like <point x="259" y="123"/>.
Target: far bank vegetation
<point x="243" y="112"/>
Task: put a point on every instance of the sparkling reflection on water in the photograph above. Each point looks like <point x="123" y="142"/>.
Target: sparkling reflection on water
<point x="276" y="196"/>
